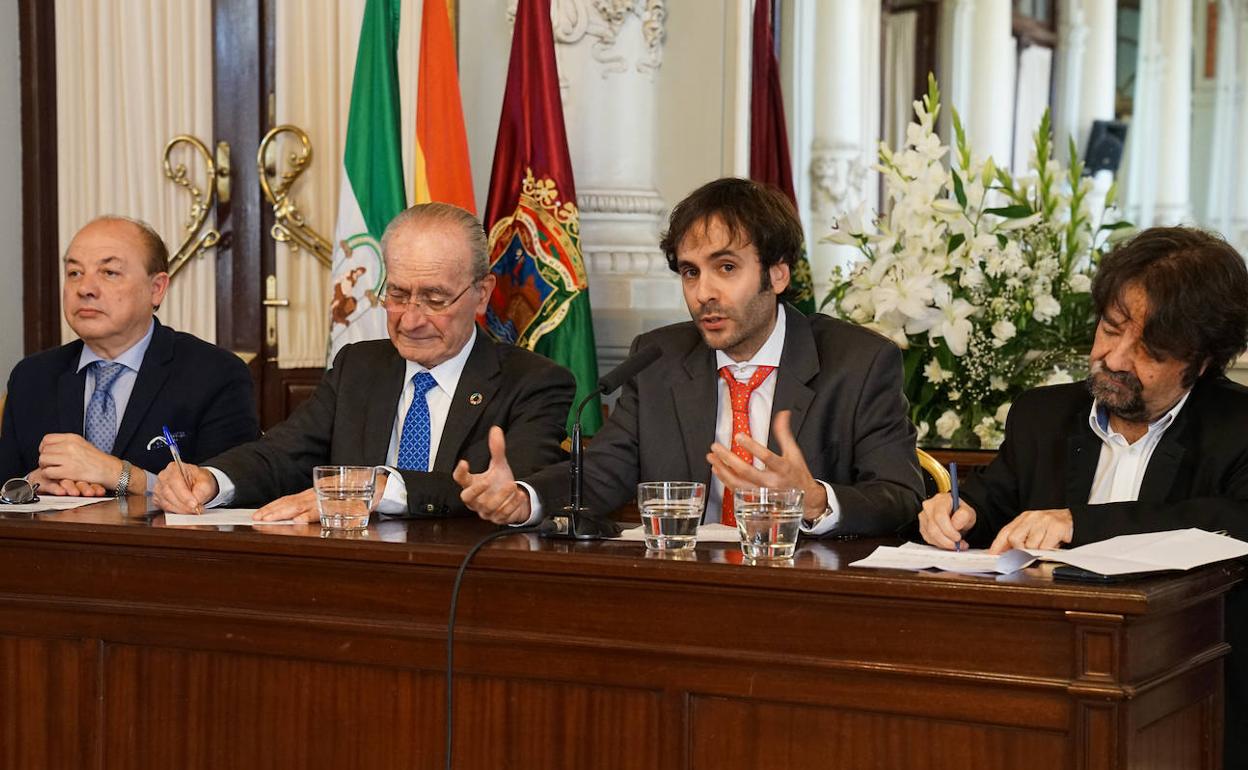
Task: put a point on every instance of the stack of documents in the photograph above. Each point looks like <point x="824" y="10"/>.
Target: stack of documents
<point x="707" y="533"/>
<point x="221" y="517"/>
<point x="1180" y="549"/>
<point x="51" y="503"/>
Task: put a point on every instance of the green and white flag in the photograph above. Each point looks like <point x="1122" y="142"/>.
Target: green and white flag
<point x="372" y="191"/>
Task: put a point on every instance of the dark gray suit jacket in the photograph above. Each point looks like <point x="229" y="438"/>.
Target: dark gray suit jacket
<point x="348" y="421"/>
<point x="842" y="383"/>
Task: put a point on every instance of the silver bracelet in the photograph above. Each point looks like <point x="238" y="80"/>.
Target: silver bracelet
<point x="123" y="481"/>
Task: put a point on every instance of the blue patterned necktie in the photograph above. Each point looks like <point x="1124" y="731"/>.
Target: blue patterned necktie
<point x="414" y="443"/>
<point x="100" y="425"/>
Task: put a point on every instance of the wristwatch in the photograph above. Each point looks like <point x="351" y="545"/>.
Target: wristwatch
<point x="812" y="523"/>
<point x="123" y="481"/>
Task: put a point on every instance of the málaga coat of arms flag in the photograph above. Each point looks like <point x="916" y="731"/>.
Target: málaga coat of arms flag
<point x="541" y="299"/>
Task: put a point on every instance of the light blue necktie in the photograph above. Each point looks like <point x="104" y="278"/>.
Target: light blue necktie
<point x="414" y="443"/>
<point x="100" y="425"/>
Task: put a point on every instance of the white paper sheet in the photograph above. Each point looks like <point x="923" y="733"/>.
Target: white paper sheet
<point x="916" y="556"/>
<point x="1180" y="549"/>
<point x="51" y="503"/>
<point x="707" y="533"/>
<point x="217" y="517"/>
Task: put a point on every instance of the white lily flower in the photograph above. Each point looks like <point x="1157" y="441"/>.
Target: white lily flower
<point x="947" y="424"/>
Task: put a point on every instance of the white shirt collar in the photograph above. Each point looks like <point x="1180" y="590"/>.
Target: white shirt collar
<point x="132" y="359"/>
<point x="1098" y="418"/>
<point x="767" y="355"/>
<point x="447" y="373"/>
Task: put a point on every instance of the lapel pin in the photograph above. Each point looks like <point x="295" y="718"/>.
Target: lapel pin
<point x="475" y="399"/>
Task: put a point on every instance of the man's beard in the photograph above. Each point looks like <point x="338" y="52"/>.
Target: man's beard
<point x="1129" y="404"/>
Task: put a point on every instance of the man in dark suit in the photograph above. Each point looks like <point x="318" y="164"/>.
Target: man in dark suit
<point x="749" y="393"/>
<point x="415" y="403"/>
<point x="79" y="418"/>
<point x="1153" y="441"/>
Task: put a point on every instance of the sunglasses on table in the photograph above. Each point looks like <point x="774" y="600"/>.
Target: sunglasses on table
<point x="19" y="492"/>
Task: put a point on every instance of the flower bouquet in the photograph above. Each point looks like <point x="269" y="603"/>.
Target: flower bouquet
<point x="981" y="278"/>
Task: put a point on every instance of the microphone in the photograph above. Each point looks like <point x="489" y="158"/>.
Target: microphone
<point x="575" y="520"/>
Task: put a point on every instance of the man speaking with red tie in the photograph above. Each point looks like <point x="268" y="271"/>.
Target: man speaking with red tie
<point x="749" y="393"/>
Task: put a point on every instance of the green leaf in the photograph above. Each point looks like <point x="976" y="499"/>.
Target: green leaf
<point x="1018" y="211"/>
<point x="955" y="242"/>
<point x="958" y="191"/>
<point x="1002" y="241"/>
<point x="1115" y="226"/>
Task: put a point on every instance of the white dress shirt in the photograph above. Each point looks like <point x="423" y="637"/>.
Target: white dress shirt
<point x="760" y="405"/>
<point x="438" y="398"/>
<point x="123" y="386"/>
<point x="1120" y="469"/>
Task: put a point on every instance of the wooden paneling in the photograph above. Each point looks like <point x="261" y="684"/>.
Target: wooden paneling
<point x="774" y="736"/>
<point x="255" y="711"/>
<point x="48" y="714"/>
<point x="41" y="251"/>
<point x="275" y="647"/>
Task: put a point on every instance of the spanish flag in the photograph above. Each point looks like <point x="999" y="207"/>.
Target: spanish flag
<point x="442" y="171"/>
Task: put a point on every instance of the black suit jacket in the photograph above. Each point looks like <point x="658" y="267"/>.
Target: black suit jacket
<point x="1197" y="476"/>
<point x="197" y="389"/>
<point x="348" y="421"/>
<point x="842" y="383"/>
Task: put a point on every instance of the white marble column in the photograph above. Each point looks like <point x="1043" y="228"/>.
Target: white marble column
<point x="1220" y="181"/>
<point x="609" y="56"/>
<point x="1140" y="169"/>
<point x="846" y="124"/>
<point x="978" y="68"/>
<point x="1086" y="61"/>
<point x="1238" y="231"/>
<point x="1174" y="135"/>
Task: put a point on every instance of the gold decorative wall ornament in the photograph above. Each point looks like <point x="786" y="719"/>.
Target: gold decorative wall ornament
<point x="198" y="238"/>
<point x="289" y="226"/>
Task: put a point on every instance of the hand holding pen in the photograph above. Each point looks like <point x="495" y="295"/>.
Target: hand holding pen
<point x="177" y="458"/>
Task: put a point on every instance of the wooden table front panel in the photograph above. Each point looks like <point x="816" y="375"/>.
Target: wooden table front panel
<point x="127" y="645"/>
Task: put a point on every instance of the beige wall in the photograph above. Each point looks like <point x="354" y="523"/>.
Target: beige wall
<point x="10" y="192"/>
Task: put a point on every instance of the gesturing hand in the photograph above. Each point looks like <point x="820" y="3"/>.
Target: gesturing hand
<point x="494" y="494"/>
<point x="785" y="470"/>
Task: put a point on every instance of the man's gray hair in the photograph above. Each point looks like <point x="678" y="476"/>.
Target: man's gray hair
<point x="433" y="214"/>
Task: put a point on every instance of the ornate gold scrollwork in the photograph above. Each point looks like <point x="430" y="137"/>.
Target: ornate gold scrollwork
<point x="197" y="239"/>
<point x="289" y="225"/>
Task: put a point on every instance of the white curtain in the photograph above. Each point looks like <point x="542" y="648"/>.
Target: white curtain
<point x="315" y="63"/>
<point x="1035" y="72"/>
<point x="900" y="37"/>
<point x="131" y="74"/>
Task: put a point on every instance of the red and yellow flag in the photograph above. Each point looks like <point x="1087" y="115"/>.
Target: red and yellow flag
<point x="443" y="172"/>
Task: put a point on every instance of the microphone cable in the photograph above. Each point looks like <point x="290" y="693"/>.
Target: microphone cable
<point x="450" y="631"/>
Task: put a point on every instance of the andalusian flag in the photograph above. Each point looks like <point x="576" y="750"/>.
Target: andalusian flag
<point x="769" y="140"/>
<point x="372" y="182"/>
<point x="442" y="169"/>
<point x="541" y="301"/>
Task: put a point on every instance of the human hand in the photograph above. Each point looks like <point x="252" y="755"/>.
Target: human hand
<point x="785" y="470"/>
<point x="69" y="487"/>
<point x="174" y="495"/>
<point x="300" y="506"/>
<point x="1039" y="530"/>
<point x="494" y="494"/>
<point x="70" y="456"/>
<point x="943" y="527"/>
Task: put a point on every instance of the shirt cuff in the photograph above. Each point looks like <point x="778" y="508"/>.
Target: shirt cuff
<point x="394" y="499"/>
<point x="151" y="482"/>
<point x="225" y="489"/>
<point x="829" y="522"/>
<point x="536" y="512"/>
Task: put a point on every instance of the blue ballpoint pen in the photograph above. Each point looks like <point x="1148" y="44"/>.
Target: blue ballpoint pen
<point x="953" y="490"/>
<point x="177" y="458"/>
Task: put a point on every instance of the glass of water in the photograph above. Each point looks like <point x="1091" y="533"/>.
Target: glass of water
<point x="344" y="494"/>
<point x="670" y="512"/>
<point x="767" y="520"/>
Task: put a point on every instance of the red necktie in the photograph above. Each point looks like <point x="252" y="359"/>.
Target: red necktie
<point x="740" y="393"/>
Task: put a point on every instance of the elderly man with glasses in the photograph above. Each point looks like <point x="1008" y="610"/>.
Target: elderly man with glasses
<point x="416" y="403"/>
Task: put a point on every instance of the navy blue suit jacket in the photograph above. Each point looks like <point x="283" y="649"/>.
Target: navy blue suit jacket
<point x="202" y="392"/>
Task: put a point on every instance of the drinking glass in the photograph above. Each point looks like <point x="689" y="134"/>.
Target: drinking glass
<point x="344" y="495"/>
<point x="670" y="512"/>
<point x="767" y="520"/>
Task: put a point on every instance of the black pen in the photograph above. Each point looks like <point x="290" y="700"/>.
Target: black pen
<point x="953" y="490"/>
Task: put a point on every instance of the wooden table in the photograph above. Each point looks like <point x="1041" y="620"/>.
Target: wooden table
<point x="126" y="644"/>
